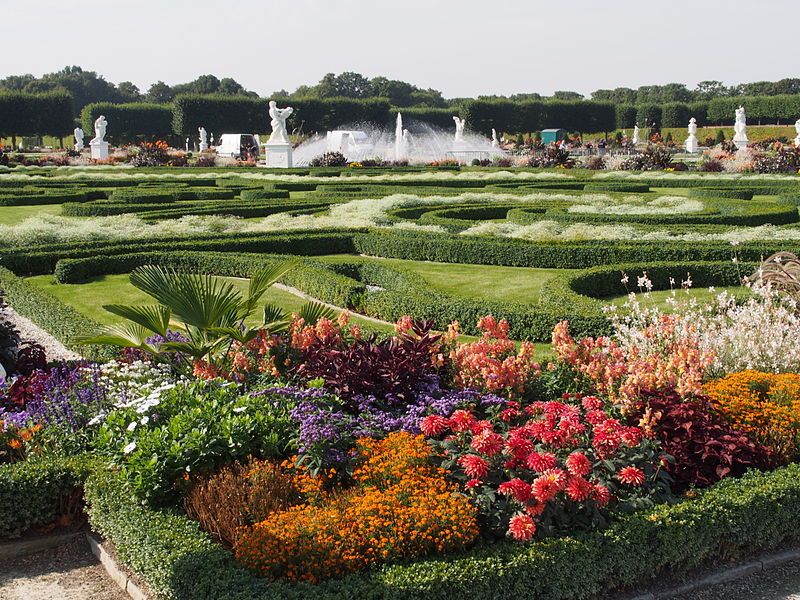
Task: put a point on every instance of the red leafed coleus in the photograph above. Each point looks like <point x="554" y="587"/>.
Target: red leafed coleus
<point x="705" y="448"/>
<point x="549" y="467"/>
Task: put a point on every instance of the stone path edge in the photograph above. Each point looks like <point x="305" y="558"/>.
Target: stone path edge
<point x="120" y="577"/>
<point x="721" y="576"/>
<point x="18" y="548"/>
<point x="117" y="573"/>
<point x="724" y="575"/>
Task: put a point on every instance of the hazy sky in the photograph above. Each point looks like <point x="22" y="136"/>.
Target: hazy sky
<point x="463" y="48"/>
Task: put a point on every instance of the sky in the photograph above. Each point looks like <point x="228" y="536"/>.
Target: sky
<point x="463" y="48"/>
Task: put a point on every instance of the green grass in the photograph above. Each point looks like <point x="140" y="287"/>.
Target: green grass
<point x="701" y="295"/>
<point x="506" y="284"/>
<point x="13" y="215"/>
<point x="89" y="298"/>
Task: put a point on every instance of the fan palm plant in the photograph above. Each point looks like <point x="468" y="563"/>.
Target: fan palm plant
<point x="209" y="311"/>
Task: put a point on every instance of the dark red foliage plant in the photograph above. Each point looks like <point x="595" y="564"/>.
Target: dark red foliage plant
<point x="392" y="368"/>
<point x="705" y="448"/>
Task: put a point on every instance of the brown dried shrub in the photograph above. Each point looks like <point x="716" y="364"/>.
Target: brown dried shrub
<point x="237" y="496"/>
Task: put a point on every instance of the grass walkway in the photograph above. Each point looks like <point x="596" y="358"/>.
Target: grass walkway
<point x="89" y="298"/>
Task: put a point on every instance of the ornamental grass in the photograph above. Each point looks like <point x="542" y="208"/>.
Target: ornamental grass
<point x="399" y="507"/>
<point x="765" y="405"/>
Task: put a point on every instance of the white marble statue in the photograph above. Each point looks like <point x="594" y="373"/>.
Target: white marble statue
<point x="635" y="138"/>
<point x="691" y="141"/>
<point x="279" y="116"/>
<point x="187" y="144"/>
<point x="78" y="139"/>
<point x="495" y="141"/>
<point x="797" y="129"/>
<point x="100" y="125"/>
<point x="203" y="138"/>
<point x="460" y="123"/>
<point x="740" y="127"/>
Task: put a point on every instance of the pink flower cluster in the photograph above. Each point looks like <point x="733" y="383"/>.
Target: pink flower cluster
<point x="677" y="362"/>
<point x="492" y="363"/>
<point x="554" y="453"/>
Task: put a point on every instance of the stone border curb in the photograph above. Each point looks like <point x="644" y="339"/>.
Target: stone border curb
<point x="724" y="575"/>
<point x="114" y="571"/>
<point x="9" y="550"/>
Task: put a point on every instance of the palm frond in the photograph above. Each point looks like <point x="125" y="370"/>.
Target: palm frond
<point x="262" y="279"/>
<point x="126" y="335"/>
<point x="154" y="317"/>
<point x="196" y="300"/>
<point x="313" y="311"/>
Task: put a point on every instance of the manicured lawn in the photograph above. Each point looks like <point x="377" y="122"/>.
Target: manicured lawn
<point x="484" y="282"/>
<point x="13" y="215"/>
<point x="89" y="298"/>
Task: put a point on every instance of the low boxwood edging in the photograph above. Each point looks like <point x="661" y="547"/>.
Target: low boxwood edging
<point x="59" y="320"/>
<point x="31" y="491"/>
<point x="177" y="560"/>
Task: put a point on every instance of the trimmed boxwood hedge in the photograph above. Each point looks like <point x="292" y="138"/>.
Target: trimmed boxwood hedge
<point x="612" y="186"/>
<point x="585" y="288"/>
<point x="177" y="560"/>
<point x="61" y="321"/>
<point x="719" y="192"/>
<point x="484" y="250"/>
<point x="32" y="491"/>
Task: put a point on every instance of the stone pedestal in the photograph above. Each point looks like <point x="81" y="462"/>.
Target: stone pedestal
<point x="99" y="150"/>
<point x="740" y="143"/>
<point x="278" y="155"/>
<point x="692" y="144"/>
<point x="797" y="141"/>
<point x="203" y="146"/>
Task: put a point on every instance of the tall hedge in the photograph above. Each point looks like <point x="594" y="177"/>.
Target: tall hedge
<point x="625" y="115"/>
<point x="767" y="109"/>
<point x="648" y="115"/>
<point x="35" y="114"/>
<point x="675" y="114"/>
<point x="221" y="114"/>
<point x="505" y="115"/>
<point x="437" y="117"/>
<point x="129" y="122"/>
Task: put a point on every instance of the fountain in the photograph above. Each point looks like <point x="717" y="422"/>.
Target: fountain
<point x="415" y="141"/>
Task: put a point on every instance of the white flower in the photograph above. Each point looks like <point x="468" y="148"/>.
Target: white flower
<point x="129" y="448"/>
<point x="239" y="409"/>
<point x="144" y="420"/>
<point x="132" y="426"/>
<point x="624" y="279"/>
<point x="734" y="242"/>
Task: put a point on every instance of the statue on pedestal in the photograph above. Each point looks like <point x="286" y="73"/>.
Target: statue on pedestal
<point x="797" y="129"/>
<point x="460" y="123"/>
<point x="279" y="116"/>
<point x="691" y="141"/>
<point x="740" y="127"/>
<point x="100" y="125"/>
<point x="495" y="141"/>
<point x="78" y="139"/>
<point x="203" y="138"/>
<point x="635" y="138"/>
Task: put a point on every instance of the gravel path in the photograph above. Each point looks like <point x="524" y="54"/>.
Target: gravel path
<point x="776" y="583"/>
<point x="68" y="572"/>
<point x="29" y="330"/>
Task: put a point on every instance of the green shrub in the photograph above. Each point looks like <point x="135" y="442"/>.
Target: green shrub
<point x="32" y="491"/>
<point x="200" y="427"/>
<point x="717" y="192"/>
<point x="61" y="321"/>
<point x="736" y="516"/>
